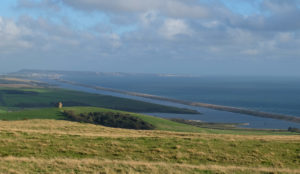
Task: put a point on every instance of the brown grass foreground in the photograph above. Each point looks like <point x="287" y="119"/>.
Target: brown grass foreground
<point x="16" y="165"/>
<point x="51" y="146"/>
<point x="83" y="129"/>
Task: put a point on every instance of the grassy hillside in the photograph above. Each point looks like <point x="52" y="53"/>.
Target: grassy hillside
<point x="14" y="98"/>
<point x="57" y="146"/>
<point x="45" y="113"/>
<point x="159" y="123"/>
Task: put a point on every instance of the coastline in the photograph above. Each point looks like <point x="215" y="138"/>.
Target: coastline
<point x="197" y="104"/>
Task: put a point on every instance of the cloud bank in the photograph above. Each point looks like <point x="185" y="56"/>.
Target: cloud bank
<point x="192" y="36"/>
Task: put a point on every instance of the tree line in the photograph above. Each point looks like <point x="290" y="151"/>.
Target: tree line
<point x="110" y="119"/>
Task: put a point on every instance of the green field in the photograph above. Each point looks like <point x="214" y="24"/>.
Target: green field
<point x="16" y="98"/>
<point x="2" y="111"/>
<point x="159" y="123"/>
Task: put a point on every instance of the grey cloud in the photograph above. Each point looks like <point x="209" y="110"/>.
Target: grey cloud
<point x="280" y="6"/>
<point x="275" y="16"/>
<point x="37" y="39"/>
<point x="282" y="15"/>
<point x="43" y="4"/>
<point x="167" y="31"/>
<point x="172" y="8"/>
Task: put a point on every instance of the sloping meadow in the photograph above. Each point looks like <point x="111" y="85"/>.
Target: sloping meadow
<point x="53" y="146"/>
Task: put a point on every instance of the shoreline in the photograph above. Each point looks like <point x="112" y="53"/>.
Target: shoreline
<point x="189" y="103"/>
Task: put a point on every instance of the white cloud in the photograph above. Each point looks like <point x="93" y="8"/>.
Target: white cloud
<point x="115" y="40"/>
<point x="8" y="28"/>
<point x="285" y="37"/>
<point x="211" y="24"/>
<point x="11" y="35"/>
<point x="149" y="17"/>
<point x="41" y="38"/>
<point x="173" y="27"/>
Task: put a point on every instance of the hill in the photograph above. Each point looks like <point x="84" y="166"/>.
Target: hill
<point x="58" y="146"/>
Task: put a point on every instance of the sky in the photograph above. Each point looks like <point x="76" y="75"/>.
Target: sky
<point x="189" y="37"/>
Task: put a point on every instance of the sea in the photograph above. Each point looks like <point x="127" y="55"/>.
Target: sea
<point x="279" y="95"/>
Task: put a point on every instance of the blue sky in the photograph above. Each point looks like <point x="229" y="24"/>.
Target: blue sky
<point x="195" y="37"/>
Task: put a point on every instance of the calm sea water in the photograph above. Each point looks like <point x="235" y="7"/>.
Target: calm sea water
<point x="208" y="115"/>
<point x="269" y="94"/>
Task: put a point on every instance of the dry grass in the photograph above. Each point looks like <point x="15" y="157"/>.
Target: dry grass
<point x="64" y="165"/>
<point x="83" y="129"/>
<point x="52" y="146"/>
